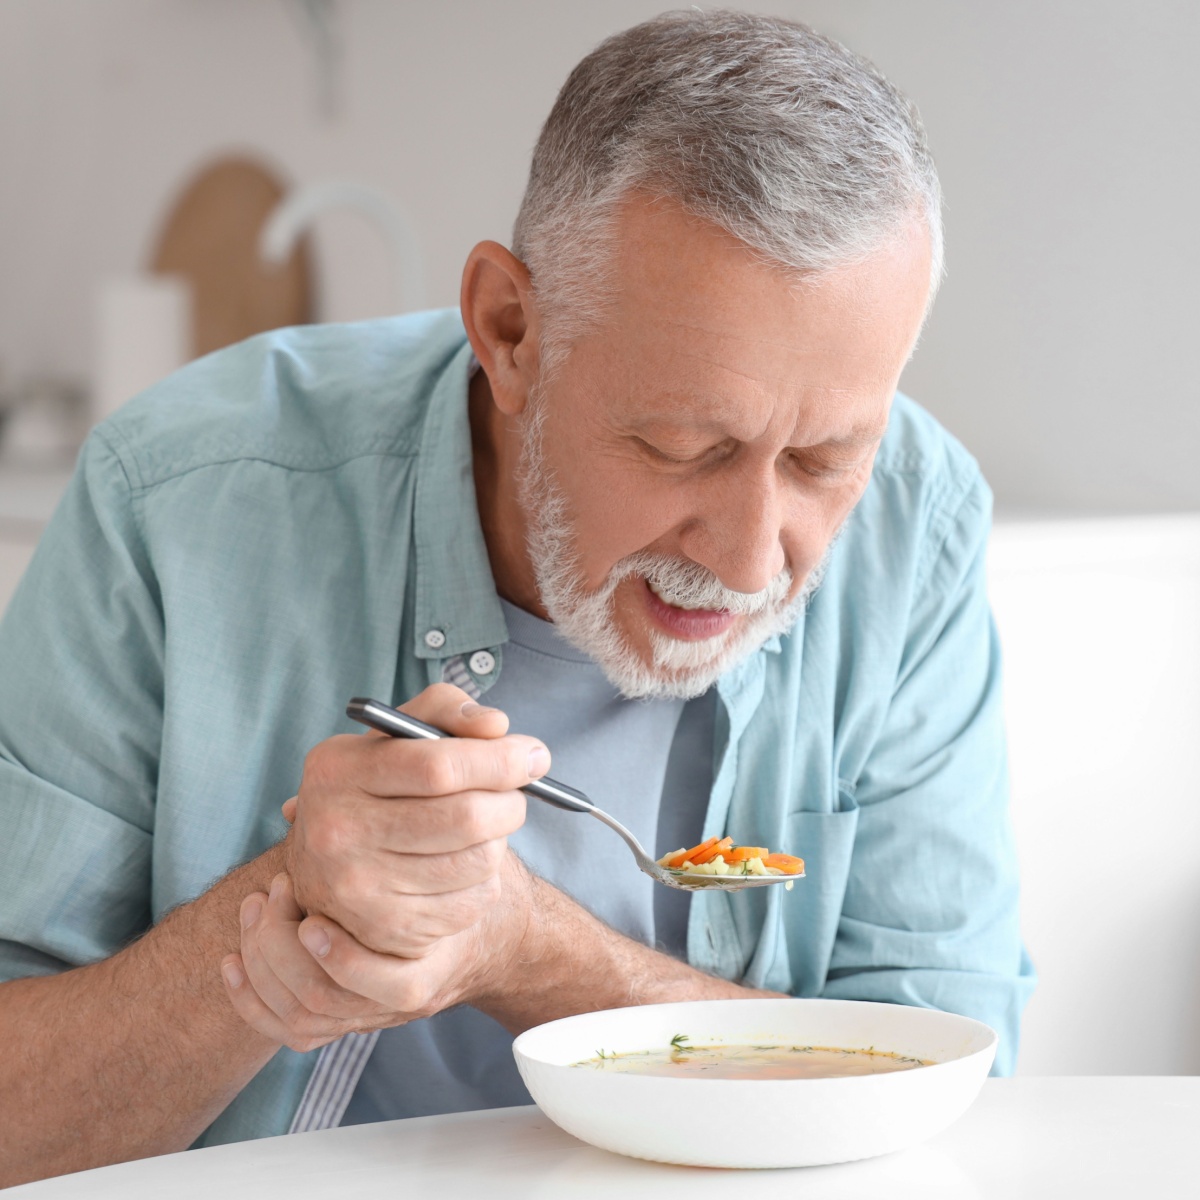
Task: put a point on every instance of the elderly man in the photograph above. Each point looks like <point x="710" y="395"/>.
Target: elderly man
<point x="602" y="498"/>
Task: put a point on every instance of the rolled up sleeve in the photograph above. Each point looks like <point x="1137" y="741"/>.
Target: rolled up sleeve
<point x="80" y="725"/>
<point x="930" y="915"/>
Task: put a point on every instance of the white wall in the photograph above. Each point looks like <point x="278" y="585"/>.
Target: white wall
<point x="1067" y="134"/>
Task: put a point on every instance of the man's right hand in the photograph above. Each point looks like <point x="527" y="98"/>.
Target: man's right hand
<point x="402" y="842"/>
<point x="399" y="893"/>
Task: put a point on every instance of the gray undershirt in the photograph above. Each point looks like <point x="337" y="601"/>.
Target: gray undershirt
<point x="649" y="764"/>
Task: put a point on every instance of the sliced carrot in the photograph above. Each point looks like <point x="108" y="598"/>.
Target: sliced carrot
<point x="708" y="849"/>
<point x="787" y="863"/>
<point x="745" y="853"/>
<point x="721" y="847"/>
<point x="683" y="856"/>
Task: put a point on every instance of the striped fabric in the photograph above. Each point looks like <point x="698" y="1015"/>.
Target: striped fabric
<point x="341" y="1063"/>
<point x="455" y="672"/>
<point x="333" y="1082"/>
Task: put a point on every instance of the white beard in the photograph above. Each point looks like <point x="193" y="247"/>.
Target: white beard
<point x="678" y="669"/>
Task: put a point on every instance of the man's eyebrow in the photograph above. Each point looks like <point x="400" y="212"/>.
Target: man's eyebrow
<point x="859" y="436"/>
<point x="643" y="420"/>
<point x="864" y="435"/>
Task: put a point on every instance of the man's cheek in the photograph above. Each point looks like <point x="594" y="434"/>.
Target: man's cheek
<point x="606" y="547"/>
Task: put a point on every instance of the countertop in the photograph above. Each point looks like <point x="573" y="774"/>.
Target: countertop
<point x="1024" y="1139"/>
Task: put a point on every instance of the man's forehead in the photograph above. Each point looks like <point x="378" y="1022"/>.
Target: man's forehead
<point x="710" y="370"/>
<point x="695" y="311"/>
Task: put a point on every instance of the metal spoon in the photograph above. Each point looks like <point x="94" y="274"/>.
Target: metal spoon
<point x="391" y="721"/>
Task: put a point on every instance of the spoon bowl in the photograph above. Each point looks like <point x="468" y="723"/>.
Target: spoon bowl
<point x="684" y="880"/>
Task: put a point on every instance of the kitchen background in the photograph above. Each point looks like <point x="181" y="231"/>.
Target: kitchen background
<point x="1062" y="349"/>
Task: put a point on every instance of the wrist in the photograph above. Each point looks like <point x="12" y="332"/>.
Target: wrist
<point x="507" y="947"/>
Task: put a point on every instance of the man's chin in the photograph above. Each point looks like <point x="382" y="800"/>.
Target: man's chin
<point x="650" y="683"/>
<point x="675" y="669"/>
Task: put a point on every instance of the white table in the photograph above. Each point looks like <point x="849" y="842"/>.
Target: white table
<point x="1025" y="1138"/>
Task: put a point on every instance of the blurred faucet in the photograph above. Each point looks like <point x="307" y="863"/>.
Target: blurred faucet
<point x="299" y="209"/>
<point x="319" y="22"/>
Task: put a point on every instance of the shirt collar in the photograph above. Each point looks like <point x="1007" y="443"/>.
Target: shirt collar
<point x="457" y="609"/>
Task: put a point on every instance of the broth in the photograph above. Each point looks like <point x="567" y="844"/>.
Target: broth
<point x="754" y="1062"/>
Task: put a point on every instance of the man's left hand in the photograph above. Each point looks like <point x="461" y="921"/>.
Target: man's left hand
<point x="307" y="981"/>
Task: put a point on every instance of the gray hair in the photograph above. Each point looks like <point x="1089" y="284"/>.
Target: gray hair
<point x="769" y="130"/>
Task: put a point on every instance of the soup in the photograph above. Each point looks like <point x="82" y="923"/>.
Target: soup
<point x="754" y="1062"/>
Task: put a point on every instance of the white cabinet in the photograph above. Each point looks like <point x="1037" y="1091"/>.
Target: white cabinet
<point x="15" y="553"/>
<point x="1099" y="625"/>
<point x="27" y="499"/>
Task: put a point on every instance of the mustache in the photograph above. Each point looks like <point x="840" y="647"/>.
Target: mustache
<point x="686" y="583"/>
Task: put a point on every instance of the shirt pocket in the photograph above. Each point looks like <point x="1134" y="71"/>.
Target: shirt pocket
<point x="806" y="919"/>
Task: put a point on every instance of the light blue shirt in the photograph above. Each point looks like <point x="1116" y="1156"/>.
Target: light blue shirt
<point x="284" y="524"/>
<point x="622" y="754"/>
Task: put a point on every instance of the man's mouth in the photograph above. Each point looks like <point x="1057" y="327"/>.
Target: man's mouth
<point x="687" y="624"/>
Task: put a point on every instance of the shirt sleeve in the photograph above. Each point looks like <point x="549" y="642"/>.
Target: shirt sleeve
<point x="80" y="721"/>
<point x="930" y="911"/>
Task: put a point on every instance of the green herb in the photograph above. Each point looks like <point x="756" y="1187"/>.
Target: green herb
<point x="678" y="1040"/>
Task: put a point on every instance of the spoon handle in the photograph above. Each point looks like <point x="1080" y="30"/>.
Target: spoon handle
<point x="397" y="724"/>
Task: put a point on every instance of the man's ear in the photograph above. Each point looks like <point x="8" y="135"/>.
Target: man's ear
<point x="497" y="310"/>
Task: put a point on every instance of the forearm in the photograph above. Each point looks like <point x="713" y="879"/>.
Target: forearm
<point x="571" y="962"/>
<point x="132" y="1056"/>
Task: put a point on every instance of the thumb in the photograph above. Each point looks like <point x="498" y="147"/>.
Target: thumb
<point x="449" y="708"/>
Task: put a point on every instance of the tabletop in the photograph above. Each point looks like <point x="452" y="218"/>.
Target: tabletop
<point x="1029" y="1137"/>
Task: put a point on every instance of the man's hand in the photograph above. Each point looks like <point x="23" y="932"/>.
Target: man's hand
<point x="310" y="982"/>
<point x="401" y="842"/>
<point x="398" y="856"/>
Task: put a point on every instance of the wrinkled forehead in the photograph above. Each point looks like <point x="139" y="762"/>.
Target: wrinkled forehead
<point x="741" y="374"/>
<point x="700" y="319"/>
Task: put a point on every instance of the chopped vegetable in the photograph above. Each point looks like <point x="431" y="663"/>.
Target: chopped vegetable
<point x="744" y="853"/>
<point x="682" y="856"/>
<point x="721" y="848"/>
<point x="719" y="856"/>
<point x="787" y="863"/>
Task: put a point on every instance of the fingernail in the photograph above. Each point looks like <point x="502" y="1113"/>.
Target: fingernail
<point x="276" y="887"/>
<point x="233" y="976"/>
<point x="471" y="709"/>
<point x="316" y="940"/>
<point x="539" y="762"/>
<point x="251" y="911"/>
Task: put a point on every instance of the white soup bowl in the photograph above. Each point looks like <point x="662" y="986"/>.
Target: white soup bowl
<point x="710" y="1122"/>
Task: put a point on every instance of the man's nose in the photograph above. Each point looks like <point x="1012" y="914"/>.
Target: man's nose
<point x="738" y="537"/>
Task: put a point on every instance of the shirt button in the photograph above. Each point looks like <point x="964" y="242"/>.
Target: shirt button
<point x="435" y="639"/>
<point x="482" y="663"/>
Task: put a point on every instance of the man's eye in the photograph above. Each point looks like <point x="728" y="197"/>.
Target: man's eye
<point x="817" y="468"/>
<point x="664" y="456"/>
